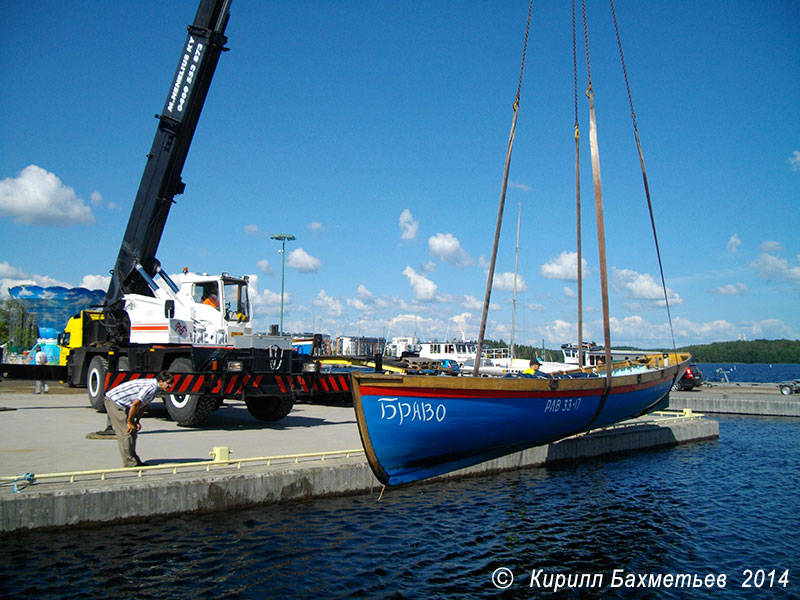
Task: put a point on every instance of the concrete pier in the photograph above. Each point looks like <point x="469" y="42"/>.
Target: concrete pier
<point x="46" y="436"/>
<point x="740" y="399"/>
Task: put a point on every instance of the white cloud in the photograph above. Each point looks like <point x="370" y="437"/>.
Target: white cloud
<point x="505" y="281"/>
<point x="266" y="300"/>
<point x="733" y="244"/>
<point x="265" y="267"/>
<point x="252" y="229"/>
<point x="769" y="267"/>
<point x="316" y="227"/>
<point x="96" y="198"/>
<point x="472" y="303"/>
<point x="536" y="307"/>
<point x="569" y="292"/>
<point x="428" y="267"/>
<point x="424" y="289"/>
<point x="6" y="270"/>
<point x="687" y="331"/>
<point x="637" y="331"/>
<point x="794" y="160"/>
<point x="731" y="289"/>
<point x="640" y="286"/>
<point x="408" y="226"/>
<point x="559" y="332"/>
<point x="771" y="246"/>
<point x="302" y="261"/>
<point x="461" y="322"/>
<point x="95" y="282"/>
<point x="38" y="197"/>
<point x="11" y="276"/>
<point x="359" y="304"/>
<point x="515" y="185"/>
<point x="446" y="247"/>
<point x="564" y="267"/>
<point x="363" y="293"/>
<point x="331" y="306"/>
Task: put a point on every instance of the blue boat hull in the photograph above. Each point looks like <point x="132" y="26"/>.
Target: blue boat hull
<point x="415" y="427"/>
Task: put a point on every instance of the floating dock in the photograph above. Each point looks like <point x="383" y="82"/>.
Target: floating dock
<point x="65" y="479"/>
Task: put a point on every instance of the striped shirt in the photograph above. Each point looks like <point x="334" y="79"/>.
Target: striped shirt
<point x="125" y="394"/>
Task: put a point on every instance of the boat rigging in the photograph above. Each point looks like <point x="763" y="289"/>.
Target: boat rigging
<point x="414" y="427"/>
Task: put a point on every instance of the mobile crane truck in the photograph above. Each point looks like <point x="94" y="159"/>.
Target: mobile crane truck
<point x="201" y="330"/>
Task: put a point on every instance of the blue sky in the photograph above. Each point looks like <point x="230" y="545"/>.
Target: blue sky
<point x="375" y="132"/>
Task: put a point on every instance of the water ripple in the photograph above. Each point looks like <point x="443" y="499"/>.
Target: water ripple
<point x="712" y="507"/>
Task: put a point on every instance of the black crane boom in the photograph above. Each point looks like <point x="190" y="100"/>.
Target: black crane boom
<point x="161" y="179"/>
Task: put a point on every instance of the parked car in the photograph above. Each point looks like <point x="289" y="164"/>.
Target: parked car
<point x="692" y="378"/>
<point x="790" y="387"/>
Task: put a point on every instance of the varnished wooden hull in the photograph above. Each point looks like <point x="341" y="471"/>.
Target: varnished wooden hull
<point x="414" y="427"/>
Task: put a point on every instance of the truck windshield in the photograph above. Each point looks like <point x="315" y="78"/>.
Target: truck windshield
<point x="237" y="304"/>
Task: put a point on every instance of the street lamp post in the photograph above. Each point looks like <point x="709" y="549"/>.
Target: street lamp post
<point x="283" y="238"/>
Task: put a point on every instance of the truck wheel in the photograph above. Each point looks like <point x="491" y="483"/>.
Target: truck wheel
<point x="269" y="409"/>
<point x="96" y="382"/>
<point x="786" y="390"/>
<point x="189" y="410"/>
<point x="676" y="387"/>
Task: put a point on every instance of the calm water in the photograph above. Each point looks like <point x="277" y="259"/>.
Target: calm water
<point x="761" y="373"/>
<point x="714" y="507"/>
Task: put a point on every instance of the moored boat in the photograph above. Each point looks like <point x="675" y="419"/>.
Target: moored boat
<point x="415" y="427"/>
<point x="594" y="354"/>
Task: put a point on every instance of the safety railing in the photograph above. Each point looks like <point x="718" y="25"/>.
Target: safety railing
<point x="221" y="460"/>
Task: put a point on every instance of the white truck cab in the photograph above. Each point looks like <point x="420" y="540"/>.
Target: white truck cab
<point x="204" y="309"/>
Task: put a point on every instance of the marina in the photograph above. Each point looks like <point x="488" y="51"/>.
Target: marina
<point x="689" y="508"/>
<point x="317" y="448"/>
<point x="294" y="462"/>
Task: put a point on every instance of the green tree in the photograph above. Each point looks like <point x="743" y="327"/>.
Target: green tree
<point x="17" y="327"/>
<point x="754" y="351"/>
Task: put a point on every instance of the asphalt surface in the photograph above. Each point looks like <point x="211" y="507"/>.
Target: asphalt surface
<point x="46" y="433"/>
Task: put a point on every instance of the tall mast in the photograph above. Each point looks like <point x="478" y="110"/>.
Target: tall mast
<point x="516" y="269"/>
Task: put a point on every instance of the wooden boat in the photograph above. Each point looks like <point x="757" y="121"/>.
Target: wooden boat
<point x="413" y="427"/>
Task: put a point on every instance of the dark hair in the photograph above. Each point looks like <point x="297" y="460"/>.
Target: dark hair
<point x="164" y="376"/>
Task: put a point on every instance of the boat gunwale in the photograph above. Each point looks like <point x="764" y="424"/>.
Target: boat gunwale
<point x="517" y="386"/>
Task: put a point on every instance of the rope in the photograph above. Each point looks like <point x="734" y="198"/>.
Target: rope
<point x="524" y="49"/>
<point x="577" y="190"/>
<point x="644" y="174"/>
<point x="22" y="481"/>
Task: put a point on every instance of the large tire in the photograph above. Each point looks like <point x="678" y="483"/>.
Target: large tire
<point x="786" y="390"/>
<point x="189" y="410"/>
<point x="271" y="408"/>
<point x="96" y="382"/>
<point x="677" y="387"/>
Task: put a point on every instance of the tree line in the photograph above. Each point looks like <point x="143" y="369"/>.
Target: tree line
<point x="754" y="351"/>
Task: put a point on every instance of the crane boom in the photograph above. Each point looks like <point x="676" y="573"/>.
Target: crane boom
<point x="161" y="179"/>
